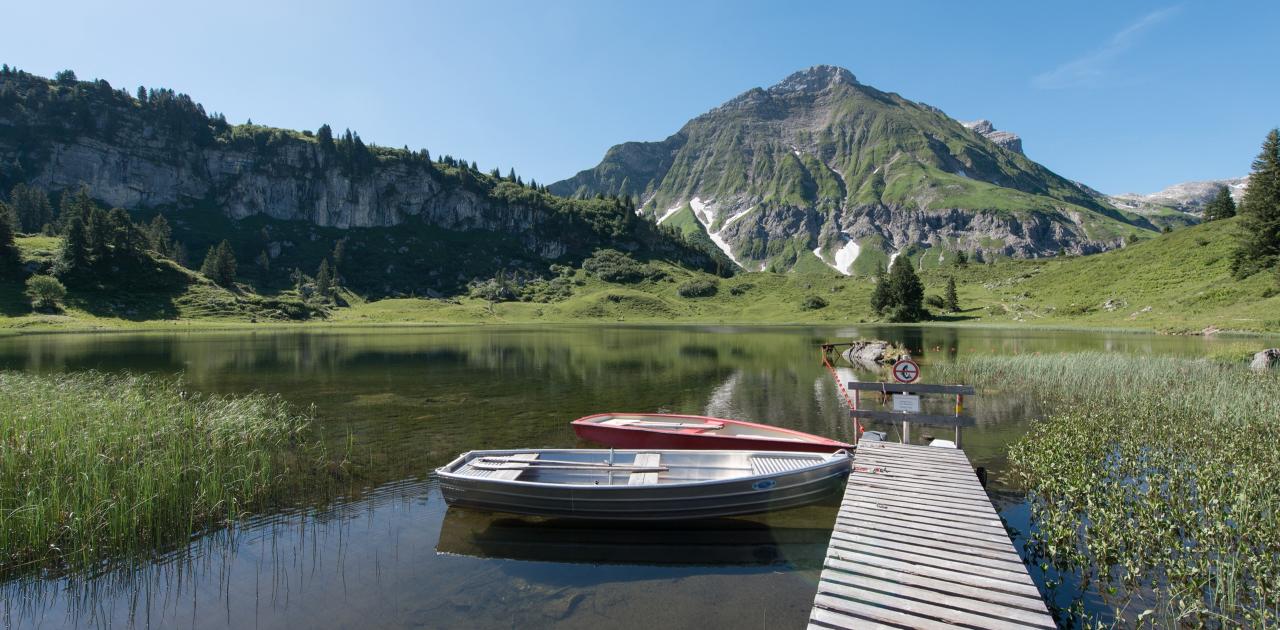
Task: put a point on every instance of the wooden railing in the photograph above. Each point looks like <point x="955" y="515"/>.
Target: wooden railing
<point x="906" y="418"/>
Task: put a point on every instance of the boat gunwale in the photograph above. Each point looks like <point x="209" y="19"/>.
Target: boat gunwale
<point x="593" y="420"/>
<point x="448" y="471"/>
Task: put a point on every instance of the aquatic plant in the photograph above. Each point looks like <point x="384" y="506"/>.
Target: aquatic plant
<point x="1154" y="481"/>
<point x="93" y="464"/>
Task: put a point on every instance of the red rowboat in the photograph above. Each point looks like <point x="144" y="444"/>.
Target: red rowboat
<point x="672" y="431"/>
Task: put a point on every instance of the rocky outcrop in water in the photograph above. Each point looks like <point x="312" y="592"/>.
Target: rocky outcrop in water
<point x="1266" y="359"/>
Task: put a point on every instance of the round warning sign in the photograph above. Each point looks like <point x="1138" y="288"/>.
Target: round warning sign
<point x="906" y="371"/>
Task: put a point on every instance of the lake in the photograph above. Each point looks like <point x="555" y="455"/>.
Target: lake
<point x="401" y="401"/>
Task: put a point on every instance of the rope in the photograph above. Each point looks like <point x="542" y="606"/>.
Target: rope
<point x="857" y="426"/>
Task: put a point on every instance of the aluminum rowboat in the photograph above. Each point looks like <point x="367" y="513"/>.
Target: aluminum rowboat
<point x="640" y="485"/>
<point x="668" y="431"/>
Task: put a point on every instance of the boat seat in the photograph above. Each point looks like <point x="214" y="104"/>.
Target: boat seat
<point x="775" y="465"/>
<point x="511" y="475"/>
<point x="645" y="478"/>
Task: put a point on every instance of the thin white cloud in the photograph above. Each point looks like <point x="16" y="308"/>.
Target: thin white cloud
<point x="1088" y="69"/>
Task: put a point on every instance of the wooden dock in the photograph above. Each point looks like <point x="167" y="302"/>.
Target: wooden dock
<point x="917" y="544"/>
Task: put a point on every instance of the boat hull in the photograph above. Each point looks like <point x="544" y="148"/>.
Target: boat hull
<point x="679" y="501"/>
<point x="632" y="437"/>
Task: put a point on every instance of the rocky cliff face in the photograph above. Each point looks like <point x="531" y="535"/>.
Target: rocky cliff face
<point x="161" y="151"/>
<point x="823" y="168"/>
<point x="408" y="223"/>
<point x="138" y="168"/>
<point x="1002" y="139"/>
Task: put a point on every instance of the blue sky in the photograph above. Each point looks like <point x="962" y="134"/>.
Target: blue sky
<point x="1124" y="96"/>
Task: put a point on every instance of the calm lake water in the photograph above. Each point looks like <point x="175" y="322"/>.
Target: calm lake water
<point x="391" y="554"/>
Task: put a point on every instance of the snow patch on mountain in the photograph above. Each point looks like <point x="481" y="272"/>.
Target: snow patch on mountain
<point x="846" y="255"/>
<point x="706" y="215"/>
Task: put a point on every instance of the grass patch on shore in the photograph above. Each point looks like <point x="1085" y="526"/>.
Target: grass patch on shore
<point x="1153" y="481"/>
<point x="93" y="464"/>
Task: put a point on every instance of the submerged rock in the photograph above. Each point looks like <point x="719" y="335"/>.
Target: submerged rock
<point x="1266" y="359"/>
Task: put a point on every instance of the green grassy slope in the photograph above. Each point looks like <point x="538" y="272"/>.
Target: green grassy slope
<point x="1178" y="282"/>
<point x="160" y="291"/>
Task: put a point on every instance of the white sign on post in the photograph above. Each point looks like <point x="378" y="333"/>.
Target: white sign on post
<point x="907" y="403"/>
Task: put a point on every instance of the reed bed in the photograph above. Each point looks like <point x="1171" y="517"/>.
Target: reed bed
<point x="93" y="464"/>
<point x="1154" y="482"/>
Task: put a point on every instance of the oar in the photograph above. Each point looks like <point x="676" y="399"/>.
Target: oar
<point x="668" y="425"/>
<point x="570" y="466"/>
<point x="506" y="460"/>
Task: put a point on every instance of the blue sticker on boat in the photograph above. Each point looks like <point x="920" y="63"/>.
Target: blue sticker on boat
<point x="764" y="484"/>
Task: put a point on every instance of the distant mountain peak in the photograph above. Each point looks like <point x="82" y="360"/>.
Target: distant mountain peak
<point x="984" y="128"/>
<point x="815" y="79"/>
<point x="820" y="170"/>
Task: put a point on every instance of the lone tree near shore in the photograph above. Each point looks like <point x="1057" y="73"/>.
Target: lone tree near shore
<point x="900" y="294"/>
<point x="1259" y="242"/>
<point x="220" y="264"/>
<point x="951" y="301"/>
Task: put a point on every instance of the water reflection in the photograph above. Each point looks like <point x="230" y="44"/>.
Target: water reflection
<point x="728" y="542"/>
<point x="411" y="399"/>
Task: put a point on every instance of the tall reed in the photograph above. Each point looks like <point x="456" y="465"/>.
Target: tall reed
<point x="1154" y="480"/>
<point x="93" y="464"/>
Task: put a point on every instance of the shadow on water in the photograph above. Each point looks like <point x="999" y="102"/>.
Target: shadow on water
<point x="392" y="555"/>
<point x="728" y="542"/>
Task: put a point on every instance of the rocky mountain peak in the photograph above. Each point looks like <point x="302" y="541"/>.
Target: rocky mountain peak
<point x="815" y="79"/>
<point x="822" y="171"/>
<point x="1005" y="139"/>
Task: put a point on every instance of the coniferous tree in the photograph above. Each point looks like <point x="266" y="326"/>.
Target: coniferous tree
<point x="77" y="204"/>
<point x="126" y="240"/>
<point x="339" y="256"/>
<point x="906" y="293"/>
<point x="1221" y="207"/>
<point x="8" y="248"/>
<point x="950" y="300"/>
<point x="1258" y="245"/>
<point x="75" y="249"/>
<point x="880" y="298"/>
<point x="220" y="264"/>
<point x="160" y="236"/>
<point x="324" y="280"/>
<point x="263" y="262"/>
<point x="98" y="233"/>
<point x="325" y="137"/>
<point x="31" y="208"/>
<point x="9" y="217"/>
<point x="961" y="259"/>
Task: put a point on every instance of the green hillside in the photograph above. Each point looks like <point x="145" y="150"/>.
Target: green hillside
<point x="1176" y="282"/>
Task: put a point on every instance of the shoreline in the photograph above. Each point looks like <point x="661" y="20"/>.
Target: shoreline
<point x="202" y="326"/>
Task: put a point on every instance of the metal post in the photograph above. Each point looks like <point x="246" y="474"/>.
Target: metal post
<point x="906" y="432"/>
<point x="959" y="409"/>
<point x="857" y="424"/>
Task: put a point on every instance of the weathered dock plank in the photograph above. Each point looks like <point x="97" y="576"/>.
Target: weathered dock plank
<point x="917" y="544"/>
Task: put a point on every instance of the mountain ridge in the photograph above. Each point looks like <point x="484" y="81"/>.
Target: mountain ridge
<point x="161" y="152"/>
<point x="819" y="162"/>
